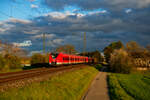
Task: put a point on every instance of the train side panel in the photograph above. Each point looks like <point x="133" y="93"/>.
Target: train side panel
<point x="61" y="58"/>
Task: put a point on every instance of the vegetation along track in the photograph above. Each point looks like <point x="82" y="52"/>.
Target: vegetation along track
<point x="11" y="77"/>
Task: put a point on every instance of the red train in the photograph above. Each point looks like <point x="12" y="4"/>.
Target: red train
<point x="60" y="58"/>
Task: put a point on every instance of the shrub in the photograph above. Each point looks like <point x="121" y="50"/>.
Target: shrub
<point x="2" y="62"/>
<point x="121" y="62"/>
<point x="38" y="58"/>
<point x="12" y="61"/>
<point x="9" y="62"/>
<point x="98" y="66"/>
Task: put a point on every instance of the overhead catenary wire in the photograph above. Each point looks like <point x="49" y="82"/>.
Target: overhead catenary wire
<point x="84" y="43"/>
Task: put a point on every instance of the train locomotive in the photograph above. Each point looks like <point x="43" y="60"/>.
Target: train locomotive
<point x="65" y="59"/>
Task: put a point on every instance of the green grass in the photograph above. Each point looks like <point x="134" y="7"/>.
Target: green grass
<point x="11" y="70"/>
<point x="116" y="92"/>
<point x="68" y="86"/>
<point x="129" y="86"/>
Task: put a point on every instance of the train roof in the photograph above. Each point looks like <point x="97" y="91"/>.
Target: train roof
<point x="68" y="55"/>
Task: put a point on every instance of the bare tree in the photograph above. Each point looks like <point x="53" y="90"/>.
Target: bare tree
<point x="148" y="47"/>
<point x="69" y="49"/>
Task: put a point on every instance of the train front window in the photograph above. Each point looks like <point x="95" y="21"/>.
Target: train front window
<point x="54" y="55"/>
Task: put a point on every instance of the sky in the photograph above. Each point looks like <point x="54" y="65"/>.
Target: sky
<point x="22" y="23"/>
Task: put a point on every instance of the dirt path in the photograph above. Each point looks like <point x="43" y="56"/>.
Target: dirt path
<point x="98" y="89"/>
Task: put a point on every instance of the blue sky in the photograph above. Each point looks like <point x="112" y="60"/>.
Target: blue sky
<point x="27" y="9"/>
<point x="64" y="22"/>
<point x="18" y="9"/>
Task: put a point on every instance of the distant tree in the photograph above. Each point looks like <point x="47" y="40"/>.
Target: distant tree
<point x="95" y="54"/>
<point x="7" y="48"/>
<point x="132" y="46"/>
<point x="148" y="48"/>
<point x="19" y="52"/>
<point x="121" y="62"/>
<point x="69" y="49"/>
<point x="12" y="61"/>
<point x="135" y="50"/>
<point x="11" y="55"/>
<point x="38" y="58"/>
<point x="109" y="49"/>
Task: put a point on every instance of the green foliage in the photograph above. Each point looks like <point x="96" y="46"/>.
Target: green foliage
<point x="96" y="55"/>
<point x="115" y="90"/>
<point x="10" y="57"/>
<point x="2" y="62"/>
<point x="9" y="62"/>
<point x="120" y="62"/>
<point x="38" y="58"/>
<point x="98" y="66"/>
<point x="67" y="86"/>
<point x="12" y="61"/>
<point x="109" y="49"/>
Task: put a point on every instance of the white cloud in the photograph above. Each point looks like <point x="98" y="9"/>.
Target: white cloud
<point x="10" y="23"/>
<point x="19" y="21"/>
<point x="59" y="15"/>
<point x="62" y="15"/>
<point x="34" y="6"/>
<point x="31" y="32"/>
<point x="129" y="3"/>
<point x="80" y="15"/>
<point x="58" y="41"/>
<point x="23" y="44"/>
<point x="41" y="35"/>
<point x="55" y="42"/>
<point x="4" y="26"/>
<point x="97" y="12"/>
<point x="128" y="10"/>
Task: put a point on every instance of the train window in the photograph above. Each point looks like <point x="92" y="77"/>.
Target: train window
<point x="54" y="55"/>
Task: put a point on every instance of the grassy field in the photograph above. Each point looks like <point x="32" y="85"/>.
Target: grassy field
<point x="11" y="70"/>
<point x="129" y="87"/>
<point x="67" y="86"/>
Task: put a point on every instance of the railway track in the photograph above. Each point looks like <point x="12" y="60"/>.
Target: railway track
<point x="15" y="76"/>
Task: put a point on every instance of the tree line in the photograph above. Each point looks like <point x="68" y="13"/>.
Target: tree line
<point x="119" y="57"/>
<point x="10" y="56"/>
<point x="126" y="58"/>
